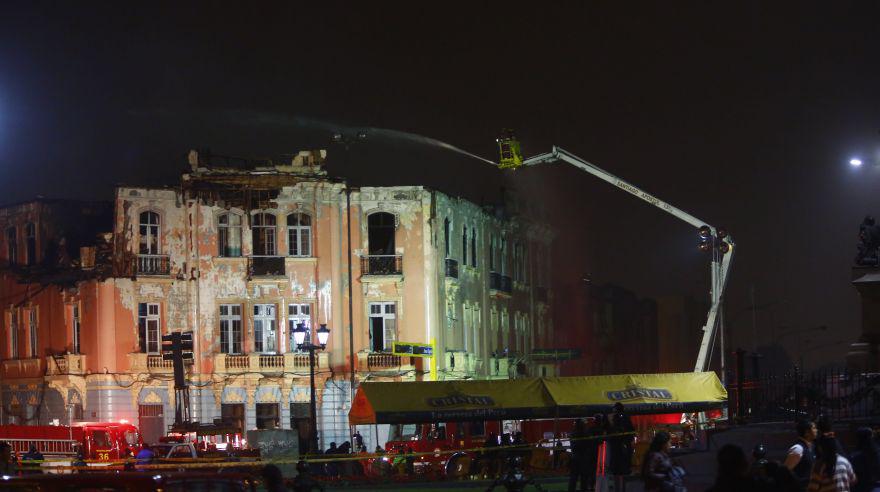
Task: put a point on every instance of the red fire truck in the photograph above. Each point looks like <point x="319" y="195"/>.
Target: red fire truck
<point x="102" y="441"/>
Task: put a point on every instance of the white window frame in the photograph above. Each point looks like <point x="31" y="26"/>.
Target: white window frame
<point x="32" y="333"/>
<point x="295" y="244"/>
<point x="13" y="333"/>
<point x="266" y="341"/>
<point x="226" y="231"/>
<point x="75" y="328"/>
<point x="380" y="310"/>
<point x="149" y="234"/>
<point x="270" y="238"/>
<point x="152" y="328"/>
<point x="228" y="320"/>
<point x="299" y="312"/>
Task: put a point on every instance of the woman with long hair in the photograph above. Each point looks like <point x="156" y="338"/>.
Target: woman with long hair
<point x="831" y="472"/>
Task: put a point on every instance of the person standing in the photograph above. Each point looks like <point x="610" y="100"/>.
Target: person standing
<point x="620" y="447"/>
<point x="733" y="471"/>
<point x="866" y="462"/>
<point x="831" y="472"/>
<point x="657" y="466"/>
<point x="7" y="463"/>
<point x="594" y="439"/>
<point x="801" y="455"/>
<point x="578" y="463"/>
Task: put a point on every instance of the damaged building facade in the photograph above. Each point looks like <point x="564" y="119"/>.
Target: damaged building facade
<point x="241" y="254"/>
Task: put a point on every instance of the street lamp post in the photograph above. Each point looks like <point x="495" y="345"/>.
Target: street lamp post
<point x="299" y="337"/>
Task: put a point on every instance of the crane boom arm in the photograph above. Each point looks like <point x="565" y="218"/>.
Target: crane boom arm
<point x="720" y="263"/>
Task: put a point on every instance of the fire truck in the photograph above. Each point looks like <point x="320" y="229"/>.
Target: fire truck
<point x="100" y="441"/>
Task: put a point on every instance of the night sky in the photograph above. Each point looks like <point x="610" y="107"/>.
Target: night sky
<point x="745" y="117"/>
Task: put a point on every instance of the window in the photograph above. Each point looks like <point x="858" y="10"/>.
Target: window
<point x="233" y="414"/>
<point x="268" y="416"/>
<point x="464" y="246"/>
<point x="148" y="327"/>
<point x="467" y="327"/>
<point x="519" y="262"/>
<point x="263" y="231"/>
<point x="502" y="257"/>
<point x="299" y="234"/>
<point x="474" y="247"/>
<point x="383" y="325"/>
<point x="31" y="243"/>
<point x="149" y="233"/>
<point x="492" y="262"/>
<point x="265" y="333"/>
<point x="299" y="314"/>
<point x="11" y="246"/>
<point x="13" y="334"/>
<point x="229" y="234"/>
<point x="380" y="233"/>
<point x="446" y="233"/>
<point x="230" y="328"/>
<point x="32" y="332"/>
<point x="76" y="328"/>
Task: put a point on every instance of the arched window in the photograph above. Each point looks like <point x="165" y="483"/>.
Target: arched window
<point x="299" y="234"/>
<point x="11" y="246"/>
<point x="474" y="247"/>
<point x="229" y="234"/>
<point x="30" y="230"/>
<point x="149" y="233"/>
<point x="464" y="245"/>
<point x="263" y="231"/>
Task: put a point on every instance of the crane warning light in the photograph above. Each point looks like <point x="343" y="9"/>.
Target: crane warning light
<point x="509" y="150"/>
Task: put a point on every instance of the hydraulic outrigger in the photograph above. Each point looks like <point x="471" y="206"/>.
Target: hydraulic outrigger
<point x="714" y="240"/>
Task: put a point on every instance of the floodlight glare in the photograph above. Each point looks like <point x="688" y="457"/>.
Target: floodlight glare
<point x="855" y="162"/>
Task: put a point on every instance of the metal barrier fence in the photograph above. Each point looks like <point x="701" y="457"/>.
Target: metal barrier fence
<point x="839" y="393"/>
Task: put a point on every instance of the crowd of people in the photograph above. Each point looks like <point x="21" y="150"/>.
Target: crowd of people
<point x="616" y="431"/>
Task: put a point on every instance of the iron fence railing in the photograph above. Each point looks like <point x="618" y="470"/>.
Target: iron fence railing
<point x="382" y="265"/>
<point x="839" y="393"/>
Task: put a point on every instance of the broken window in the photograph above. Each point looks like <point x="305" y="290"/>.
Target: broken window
<point x="148" y="327"/>
<point x="230" y="328"/>
<point x="229" y="234"/>
<point x="263" y="232"/>
<point x="31" y="243"/>
<point x="149" y="233"/>
<point x="383" y="325"/>
<point x="299" y="314"/>
<point x="11" y="246"/>
<point x="265" y="333"/>
<point x="299" y="234"/>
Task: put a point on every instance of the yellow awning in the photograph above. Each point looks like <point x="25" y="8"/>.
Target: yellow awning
<point x="447" y="401"/>
<point x="639" y="393"/>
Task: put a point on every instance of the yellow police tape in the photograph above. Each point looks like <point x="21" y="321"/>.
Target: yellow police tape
<point x="177" y="463"/>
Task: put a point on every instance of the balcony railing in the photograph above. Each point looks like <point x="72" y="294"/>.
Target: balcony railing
<point x="153" y="265"/>
<point x="500" y="283"/>
<point x="65" y="364"/>
<point x="21" y="368"/>
<point x="451" y="268"/>
<point x="268" y="363"/>
<point x="266" y="266"/>
<point x="140" y="362"/>
<point x="380" y="361"/>
<point x="382" y="265"/>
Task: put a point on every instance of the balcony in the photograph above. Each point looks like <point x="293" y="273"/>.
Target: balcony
<point x="500" y="283"/>
<point x="499" y="367"/>
<point x="294" y="362"/>
<point x="460" y="363"/>
<point x="451" y="268"/>
<point x="382" y="265"/>
<point x="155" y="265"/>
<point x="152" y="363"/>
<point x="383" y="362"/>
<point x="266" y="266"/>
<point x="74" y="364"/>
<point x="21" y="368"/>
